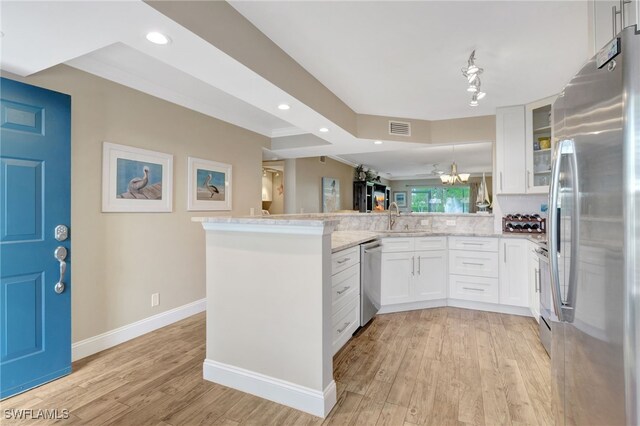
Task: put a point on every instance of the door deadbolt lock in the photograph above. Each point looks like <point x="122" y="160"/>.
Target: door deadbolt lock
<point x="61" y="232"/>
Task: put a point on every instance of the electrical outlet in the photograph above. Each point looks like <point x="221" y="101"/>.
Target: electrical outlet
<point x="425" y="222"/>
<point x="155" y="299"/>
<point x="451" y="222"/>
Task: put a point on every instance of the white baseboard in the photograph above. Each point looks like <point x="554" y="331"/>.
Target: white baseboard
<point x="112" y="338"/>
<point x="315" y="402"/>
<point x="456" y="303"/>
<point x="412" y="306"/>
<point x="490" y="307"/>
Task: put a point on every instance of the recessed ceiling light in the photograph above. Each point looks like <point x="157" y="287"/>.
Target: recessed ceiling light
<point x="157" y="38"/>
<point x="284" y="107"/>
<point x="324" y="129"/>
<point x="377" y="142"/>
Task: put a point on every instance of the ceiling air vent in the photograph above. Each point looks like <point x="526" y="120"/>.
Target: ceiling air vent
<point x="400" y="128"/>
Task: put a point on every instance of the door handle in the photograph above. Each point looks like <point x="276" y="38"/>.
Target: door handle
<point x="568" y="307"/>
<point x="60" y="253"/>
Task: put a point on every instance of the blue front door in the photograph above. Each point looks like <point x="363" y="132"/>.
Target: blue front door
<point x="35" y="186"/>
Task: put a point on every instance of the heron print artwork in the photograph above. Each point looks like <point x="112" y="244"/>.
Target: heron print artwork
<point x="209" y="185"/>
<point x="135" y="180"/>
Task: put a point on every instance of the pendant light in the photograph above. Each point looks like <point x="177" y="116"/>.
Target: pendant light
<point x="454" y="176"/>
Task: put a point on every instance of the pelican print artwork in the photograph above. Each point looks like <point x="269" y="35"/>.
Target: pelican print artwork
<point x="211" y="185"/>
<point x="139" y="180"/>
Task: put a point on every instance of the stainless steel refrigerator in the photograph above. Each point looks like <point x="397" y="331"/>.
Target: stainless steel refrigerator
<point x="594" y="240"/>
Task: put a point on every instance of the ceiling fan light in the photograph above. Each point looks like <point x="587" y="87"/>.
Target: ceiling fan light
<point x="471" y="77"/>
<point x="480" y="95"/>
<point x="472" y="69"/>
<point x="444" y="178"/>
<point x="464" y="177"/>
<point x="472" y="88"/>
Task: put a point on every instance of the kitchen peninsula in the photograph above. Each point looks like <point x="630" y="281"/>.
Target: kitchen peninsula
<point x="270" y="330"/>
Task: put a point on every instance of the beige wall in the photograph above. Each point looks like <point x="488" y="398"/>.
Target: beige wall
<point x="309" y="174"/>
<point x="119" y="259"/>
<point x="457" y="130"/>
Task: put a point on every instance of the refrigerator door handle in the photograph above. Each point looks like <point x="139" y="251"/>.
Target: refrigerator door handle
<point x="554" y="218"/>
<point x="568" y="307"/>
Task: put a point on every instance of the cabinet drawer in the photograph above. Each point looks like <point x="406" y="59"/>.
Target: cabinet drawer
<point x="473" y="243"/>
<point x="430" y="243"/>
<point x="344" y="323"/>
<point x="478" y="289"/>
<point x="344" y="259"/>
<point x="391" y="245"/>
<point x="344" y="285"/>
<point x="473" y="263"/>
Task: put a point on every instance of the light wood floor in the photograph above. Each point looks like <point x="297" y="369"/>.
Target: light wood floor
<point x="436" y="367"/>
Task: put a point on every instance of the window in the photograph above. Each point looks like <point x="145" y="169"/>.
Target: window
<point x="440" y="199"/>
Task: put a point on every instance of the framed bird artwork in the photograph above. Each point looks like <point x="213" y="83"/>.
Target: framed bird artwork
<point x="136" y="180"/>
<point x="208" y="185"/>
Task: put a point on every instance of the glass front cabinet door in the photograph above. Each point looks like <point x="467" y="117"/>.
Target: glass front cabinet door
<point x="539" y="149"/>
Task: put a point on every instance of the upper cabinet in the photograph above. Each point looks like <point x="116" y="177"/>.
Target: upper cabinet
<point x="539" y="145"/>
<point x="524" y="148"/>
<point x="607" y="21"/>
<point x="510" y="147"/>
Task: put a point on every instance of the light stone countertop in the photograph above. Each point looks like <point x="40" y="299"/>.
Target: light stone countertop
<point x="341" y="240"/>
<point x="265" y="220"/>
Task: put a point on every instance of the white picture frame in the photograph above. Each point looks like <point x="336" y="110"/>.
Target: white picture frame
<point x="136" y="180"/>
<point x="209" y="185"/>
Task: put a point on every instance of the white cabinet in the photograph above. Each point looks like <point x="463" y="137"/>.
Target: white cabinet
<point x="602" y="19"/>
<point x="431" y="275"/>
<point x="345" y="295"/>
<point x="514" y="262"/>
<point x="534" y="282"/>
<point x="410" y="275"/>
<point x="398" y="270"/>
<point x="473" y="269"/>
<point x="523" y="148"/>
<point x="539" y="148"/>
<point x="510" y="150"/>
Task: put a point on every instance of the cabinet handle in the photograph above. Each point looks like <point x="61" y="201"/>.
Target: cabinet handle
<point x="501" y="177"/>
<point x="472" y="244"/>
<point x="473" y="263"/>
<point x="344" y="260"/>
<point x="622" y="4"/>
<point x="505" y="252"/>
<point x="418" y="265"/>
<point x="344" y="327"/>
<point x="537" y="280"/>
<point x="529" y="179"/>
<point x="472" y="288"/>
<point x="343" y="290"/>
<point x="413" y="265"/>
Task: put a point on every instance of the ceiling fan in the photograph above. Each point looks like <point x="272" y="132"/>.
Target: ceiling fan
<point x="435" y="172"/>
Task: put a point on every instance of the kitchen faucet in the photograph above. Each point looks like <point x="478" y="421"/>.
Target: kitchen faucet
<point x="392" y="221"/>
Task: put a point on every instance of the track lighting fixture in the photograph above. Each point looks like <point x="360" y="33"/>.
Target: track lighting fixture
<point x="472" y="73"/>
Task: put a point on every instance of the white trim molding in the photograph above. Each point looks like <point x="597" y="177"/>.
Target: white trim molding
<point x="457" y="303"/>
<point x="122" y="334"/>
<point x="315" y="402"/>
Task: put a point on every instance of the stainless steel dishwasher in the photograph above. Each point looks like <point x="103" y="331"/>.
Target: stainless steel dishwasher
<point x="370" y="280"/>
